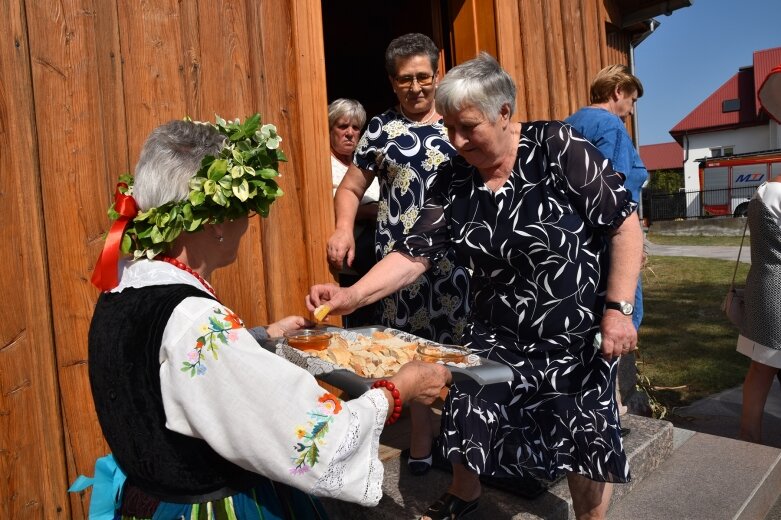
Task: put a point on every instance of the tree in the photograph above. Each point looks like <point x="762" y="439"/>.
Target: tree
<point x="666" y="181"/>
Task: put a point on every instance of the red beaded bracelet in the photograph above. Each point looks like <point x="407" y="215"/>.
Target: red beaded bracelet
<point x="384" y="383"/>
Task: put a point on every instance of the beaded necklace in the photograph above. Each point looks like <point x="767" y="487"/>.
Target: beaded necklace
<point x="184" y="267"/>
<point x="419" y="123"/>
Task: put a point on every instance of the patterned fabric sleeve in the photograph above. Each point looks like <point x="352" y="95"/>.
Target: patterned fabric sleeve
<point x="429" y="237"/>
<point x="263" y="413"/>
<point x="592" y="186"/>
<point x="370" y="146"/>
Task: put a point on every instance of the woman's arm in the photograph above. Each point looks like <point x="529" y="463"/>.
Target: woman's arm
<point x="619" y="336"/>
<point x="388" y="276"/>
<point x="341" y="244"/>
<point x="269" y="416"/>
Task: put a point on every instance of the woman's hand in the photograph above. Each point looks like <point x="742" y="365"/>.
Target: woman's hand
<point x="341" y="249"/>
<point x="278" y="328"/>
<point x="619" y="335"/>
<point x="421" y="382"/>
<point x="341" y="300"/>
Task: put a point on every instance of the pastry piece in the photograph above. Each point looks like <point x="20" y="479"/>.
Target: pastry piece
<point x="339" y="356"/>
<point x="322" y="311"/>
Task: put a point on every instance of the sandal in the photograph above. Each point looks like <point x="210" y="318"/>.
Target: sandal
<point x="450" y="507"/>
<point x="419" y="467"/>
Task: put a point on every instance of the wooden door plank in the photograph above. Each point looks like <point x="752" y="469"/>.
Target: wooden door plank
<point x="556" y="61"/>
<point x="535" y="59"/>
<point x="574" y="53"/>
<point x="592" y="37"/>
<point x="73" y="155"/>
<point x="32" y="459"/>
<point x="510" y="51"/>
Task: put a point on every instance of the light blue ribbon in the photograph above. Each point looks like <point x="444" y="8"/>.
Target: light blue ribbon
<point x="106" y="488"/>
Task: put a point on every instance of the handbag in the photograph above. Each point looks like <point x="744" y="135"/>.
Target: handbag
<point x="734" y="303"/>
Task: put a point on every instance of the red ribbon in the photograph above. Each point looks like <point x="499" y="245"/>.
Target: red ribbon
<point x="105" y="275"/>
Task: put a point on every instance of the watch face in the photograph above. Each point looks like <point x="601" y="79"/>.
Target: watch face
<point x="624" y="308"/>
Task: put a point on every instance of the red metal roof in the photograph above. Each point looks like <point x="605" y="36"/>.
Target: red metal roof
<point x="744" y="86"/>
<point x="662" y="156"/>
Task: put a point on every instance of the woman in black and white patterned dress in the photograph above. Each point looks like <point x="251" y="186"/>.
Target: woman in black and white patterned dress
<point x="402" y="148"/>
<point x="531" y="208"/>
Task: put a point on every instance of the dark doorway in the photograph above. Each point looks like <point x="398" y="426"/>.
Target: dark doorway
<point x="356" y="33"/>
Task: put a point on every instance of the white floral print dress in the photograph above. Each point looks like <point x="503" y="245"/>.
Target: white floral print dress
<point x="405" y="156"/>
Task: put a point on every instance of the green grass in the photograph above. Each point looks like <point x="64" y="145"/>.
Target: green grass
<point x="687" y="346"/>
<point x="668" y="240"/>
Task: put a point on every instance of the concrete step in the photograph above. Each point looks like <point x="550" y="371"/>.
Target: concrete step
<point x="407" y="496"/>
<point x="707" y="478"/>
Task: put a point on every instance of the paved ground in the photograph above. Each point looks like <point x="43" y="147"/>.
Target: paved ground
<point x="721" y="252"/>
<point x="720" y="414"/>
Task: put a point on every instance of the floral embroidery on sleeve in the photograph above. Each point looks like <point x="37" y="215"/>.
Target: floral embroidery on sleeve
<point x="312" y="436"/>
<point x="219" y="331"/>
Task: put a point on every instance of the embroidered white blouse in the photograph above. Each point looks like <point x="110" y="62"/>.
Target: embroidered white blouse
<point x="256" y="409"/>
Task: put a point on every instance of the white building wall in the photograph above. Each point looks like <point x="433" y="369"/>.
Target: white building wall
<point x="743" y="140"/>
<point x="775" y="135"/>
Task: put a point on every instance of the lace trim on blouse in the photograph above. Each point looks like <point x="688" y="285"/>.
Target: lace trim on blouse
<point x="332" y="481"/>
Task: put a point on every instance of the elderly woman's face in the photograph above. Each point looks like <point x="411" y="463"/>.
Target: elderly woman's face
<point x="414" y="84"/>
<point x="475" y="137"/>
<point x="344" y="136"/>
<point x="625" y="103"/>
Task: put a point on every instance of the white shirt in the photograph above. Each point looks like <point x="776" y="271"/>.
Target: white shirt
<point x="256" y="409"/>
<point x="338" y="169"/>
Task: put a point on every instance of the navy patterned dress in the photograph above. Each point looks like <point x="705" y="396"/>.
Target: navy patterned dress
<point x="537" y="250"/>
<point x="404" y="156"/>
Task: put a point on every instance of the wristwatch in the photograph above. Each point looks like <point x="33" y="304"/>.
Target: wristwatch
<point x="623" y="307"/>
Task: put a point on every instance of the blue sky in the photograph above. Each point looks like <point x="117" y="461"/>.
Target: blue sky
<point x="693" y="52"/>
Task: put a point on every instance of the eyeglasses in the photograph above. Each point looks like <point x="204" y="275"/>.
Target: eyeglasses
<point x="423" y="79"/>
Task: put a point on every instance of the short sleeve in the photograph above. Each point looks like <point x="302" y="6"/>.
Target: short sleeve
<point x="369" y="153"/>
<point x="770" y="194"/>
<point x="593" y="187"/>
<point x="429" y="237"/>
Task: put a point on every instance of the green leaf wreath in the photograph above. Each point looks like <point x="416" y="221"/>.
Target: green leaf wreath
<point x="238" y="181"/>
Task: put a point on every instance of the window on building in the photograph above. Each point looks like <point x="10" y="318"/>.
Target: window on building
<point x="722" y="151"/>
<point x="730" y="105"/>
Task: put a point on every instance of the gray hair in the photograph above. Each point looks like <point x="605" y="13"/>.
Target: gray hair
<point x="480" y="83"/>
<point x="171" y="155"/>
<point x="349" y="108"/>
<point x="407" y="46"/>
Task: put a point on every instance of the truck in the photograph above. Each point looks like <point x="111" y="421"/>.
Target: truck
<point x="727" y="183"/>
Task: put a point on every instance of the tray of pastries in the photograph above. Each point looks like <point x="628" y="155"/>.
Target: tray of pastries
<point x="351" y="359"/>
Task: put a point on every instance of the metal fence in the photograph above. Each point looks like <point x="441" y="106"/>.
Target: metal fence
<point x="696" y="204"/>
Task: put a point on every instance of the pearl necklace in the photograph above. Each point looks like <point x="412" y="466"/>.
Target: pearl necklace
<point x="184" y="267"/>
<point x="418" y="123"/>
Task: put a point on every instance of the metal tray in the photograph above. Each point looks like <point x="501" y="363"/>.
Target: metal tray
<point x="487" y="373"/>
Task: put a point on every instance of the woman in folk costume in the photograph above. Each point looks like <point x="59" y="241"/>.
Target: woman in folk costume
<point x="204" y="422"/>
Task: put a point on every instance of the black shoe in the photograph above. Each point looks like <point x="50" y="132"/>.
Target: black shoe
<point x="419" y="467"/>
<point x="450" y="507"/>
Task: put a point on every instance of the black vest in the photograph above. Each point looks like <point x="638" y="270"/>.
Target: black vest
<point x="124" y="345"/>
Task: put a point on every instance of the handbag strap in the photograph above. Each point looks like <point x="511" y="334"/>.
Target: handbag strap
<point x="737" y="262"/>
